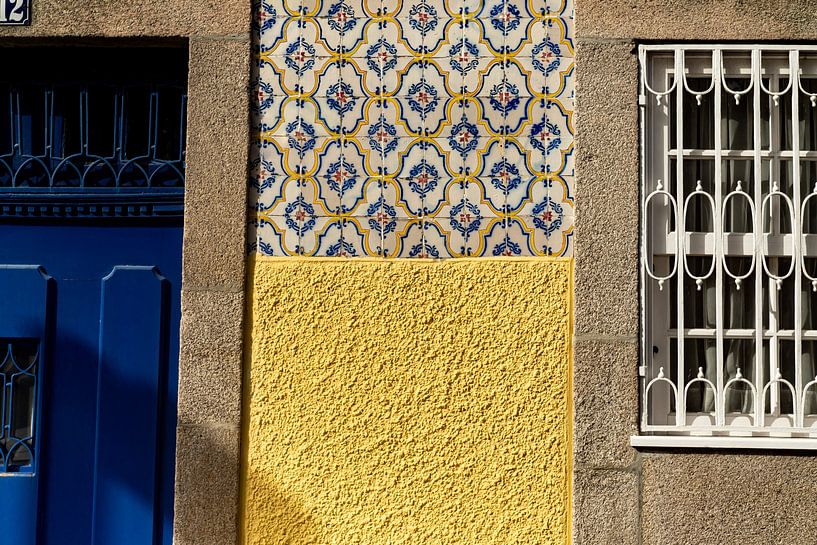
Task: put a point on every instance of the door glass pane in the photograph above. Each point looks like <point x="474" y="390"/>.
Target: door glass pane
<point x="18" y="377"/>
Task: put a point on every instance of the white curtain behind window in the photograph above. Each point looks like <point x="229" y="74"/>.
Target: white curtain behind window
<point x="739" y="305"/>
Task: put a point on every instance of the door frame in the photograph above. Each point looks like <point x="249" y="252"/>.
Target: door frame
<point x="208" y="436"/>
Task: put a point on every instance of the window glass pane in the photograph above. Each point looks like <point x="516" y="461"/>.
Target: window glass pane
<point x="699" y="304"/>
<point x="170" y="118"/>
<point x="809" y="374"/>
<point x="700" y="359"/>
<point x="737" y="122"/>
<point x="784" y="401"/>
<point x="19" y="370"/>
<point x="783" y="119"/>
<point x="809" y="311"/>
<point x="66" y="128"/>
<point x="101" y="120"/>
<point x="808" y="112"/>
<point x="739" y="357"/>
<point x="739" y="304"/>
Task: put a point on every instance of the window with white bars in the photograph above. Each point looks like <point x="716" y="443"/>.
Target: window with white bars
<point x="729" y="240"/>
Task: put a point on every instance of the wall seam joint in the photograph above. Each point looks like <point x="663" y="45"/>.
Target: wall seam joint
<point x="239" y="290"/>
<point x="592" y="337"/>
<point x="209" y="425"/>
<point x="222" y="38"/>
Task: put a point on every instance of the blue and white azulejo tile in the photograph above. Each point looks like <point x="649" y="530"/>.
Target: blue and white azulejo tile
<point x="413" y="128"/>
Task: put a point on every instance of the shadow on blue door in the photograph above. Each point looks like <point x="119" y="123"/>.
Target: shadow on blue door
<point x="101" y="441"/>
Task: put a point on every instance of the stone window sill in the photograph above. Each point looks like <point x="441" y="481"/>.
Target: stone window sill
<point x="699" y="442"/>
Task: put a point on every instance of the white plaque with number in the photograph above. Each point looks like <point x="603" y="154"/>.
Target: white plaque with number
<point x="15" y="12"/>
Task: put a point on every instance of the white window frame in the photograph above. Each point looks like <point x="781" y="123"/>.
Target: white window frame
<point x="658" y="88"/>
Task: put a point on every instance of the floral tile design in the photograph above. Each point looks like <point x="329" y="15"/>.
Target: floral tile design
<point x="413" y="128"/>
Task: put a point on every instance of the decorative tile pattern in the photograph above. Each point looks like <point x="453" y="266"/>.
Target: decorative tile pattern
<point x="414" y="128"/>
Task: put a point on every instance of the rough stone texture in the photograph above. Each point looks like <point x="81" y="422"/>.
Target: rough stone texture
<point x="405" y="402"/>
<point x="133" y="18"/>
<point x="217" y="152"/>
<point x="210" y="362"/>
<point x="214" y="280"/>
<point x="605" y="511"/>
<point x="605" y="402"/>
<point x="606" y="189"/>
<point x="697" y="19"/>
<point x="729" y="498"/>
<point x="207" y="481"/>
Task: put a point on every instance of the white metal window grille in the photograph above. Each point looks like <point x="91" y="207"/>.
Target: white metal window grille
<point x="729" y="243"/>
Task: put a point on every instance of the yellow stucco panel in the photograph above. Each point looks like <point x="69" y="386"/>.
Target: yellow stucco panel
<point x="408" y="402"/>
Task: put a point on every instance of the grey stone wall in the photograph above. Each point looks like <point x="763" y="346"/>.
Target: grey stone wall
<point x="622" y="496"/>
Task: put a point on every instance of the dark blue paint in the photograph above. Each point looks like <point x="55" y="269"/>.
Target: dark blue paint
<point x="24" y="303"/>
<point x="111" y="359"/>
<point x="129" y="403"/>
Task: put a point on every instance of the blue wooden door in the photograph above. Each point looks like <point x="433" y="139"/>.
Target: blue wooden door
<point x="92" y="167"/>
<point x="89" y="323"/>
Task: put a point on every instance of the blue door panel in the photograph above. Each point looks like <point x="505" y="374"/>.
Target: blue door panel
<point x="24" y="305"/>
<point x="70" y="408"/>
<point x="105" y="474"/>
<point x="129" y="404"/>
<point x="19" y="492"/>
<point x="23" y="300"/>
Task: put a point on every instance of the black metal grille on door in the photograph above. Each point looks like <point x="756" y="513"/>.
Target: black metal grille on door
<point x="92" y="139"/>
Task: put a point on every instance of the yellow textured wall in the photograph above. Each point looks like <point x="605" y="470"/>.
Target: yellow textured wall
<point x="408" y="402"/>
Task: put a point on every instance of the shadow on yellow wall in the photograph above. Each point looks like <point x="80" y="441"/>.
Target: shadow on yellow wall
<point x="397" y="402"/>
